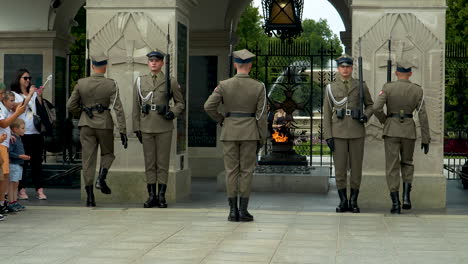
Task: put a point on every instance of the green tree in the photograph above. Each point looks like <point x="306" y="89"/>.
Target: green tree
<point x="456" y="68"/>
<point x="457" y="20"/>
<point x="320" y="35"/>
<point x="249" y="29"/>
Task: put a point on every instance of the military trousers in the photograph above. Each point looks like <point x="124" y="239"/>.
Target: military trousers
<point x="90" y="139"/>
<point x="349" y="152"/>
<point x="157" y="153"/>
<point x="239" y="163"/>
<point x="398" y="158"/>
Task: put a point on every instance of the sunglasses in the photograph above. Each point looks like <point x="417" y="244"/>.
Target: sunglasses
<point x="27" y="78"/>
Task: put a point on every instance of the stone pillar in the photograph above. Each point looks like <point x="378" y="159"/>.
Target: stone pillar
<point x="206" y="154"/>
<point x="42" y="53"/>
<point x="126" y="31"/>
<point x="346" y="39"/>
<point x="417" y="30"/>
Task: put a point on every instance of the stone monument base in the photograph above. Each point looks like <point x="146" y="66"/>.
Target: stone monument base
<point x="292" y="179"/>
<point x="130" y="186"/>
<point x="428" y="192"/>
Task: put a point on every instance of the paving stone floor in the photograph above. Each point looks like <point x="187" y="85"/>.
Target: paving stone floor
<point x="197" y="232"/>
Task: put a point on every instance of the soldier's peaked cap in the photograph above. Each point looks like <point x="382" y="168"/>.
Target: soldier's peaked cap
<point x="99" y="60"/>
<point x="243" y="56"/>
<point x="404" y="66"/>
<point x="155" y="54"/>
<point x="345" y="60"/>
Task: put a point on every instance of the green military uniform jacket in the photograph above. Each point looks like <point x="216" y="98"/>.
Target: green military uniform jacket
<point x="154" y="122"/>
<point x="94" y="90"/>
<point x="240" y="94"/>
<point x="333" y="127"/>
<point x="407" y="96"/>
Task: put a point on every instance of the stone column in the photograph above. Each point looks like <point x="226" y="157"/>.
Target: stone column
<point x="126" y="31"/>
<point x="417" y="30"/>
<point x="206" y="154"/>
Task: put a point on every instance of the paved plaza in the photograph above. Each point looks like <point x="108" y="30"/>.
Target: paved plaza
<point x="288" y="228"/>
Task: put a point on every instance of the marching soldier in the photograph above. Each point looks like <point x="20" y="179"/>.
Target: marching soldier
<point x="244" y="127"/>
<point x="153" y="125"/>
<point x="93" y="98"/>
<point x="344" y="130"/>
<point x="402" y="99"/>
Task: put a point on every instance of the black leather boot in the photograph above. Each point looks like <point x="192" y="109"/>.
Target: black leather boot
<point x="353" y="205"/>
<point x="152" y="196"/>
<point x="343" y="206"/>
<point x="244" y="215"/>
<point x="233" y="210"/>
<point x="406" y="195"/>
<point x="90" y="202"/>
<point x="395" y="203"/>
<point x="101" y="182"/>
<point x="162" y="195"/>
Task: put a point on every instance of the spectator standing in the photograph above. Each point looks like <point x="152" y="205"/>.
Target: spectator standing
<point x="17" y="158"/>
<point x="33" y="140"/>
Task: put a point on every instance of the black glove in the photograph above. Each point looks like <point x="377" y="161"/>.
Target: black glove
<point x="124" y="140"/>
<point x="138" y="135"/>
<point x="425" y="147"/>
<point x="331" y="144"/>
<point x="363" y="119"/>
<point x="169" y="115"/>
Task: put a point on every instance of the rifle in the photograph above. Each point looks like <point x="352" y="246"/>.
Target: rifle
<point x="230" y="51"/>
<point x="361" y="86"/>
<point x="389" y="61"/>
<point x="168" y="70"/>
<point x="88" y="61"/>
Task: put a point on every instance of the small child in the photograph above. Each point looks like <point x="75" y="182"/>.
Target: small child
<point x="17" y="158"/>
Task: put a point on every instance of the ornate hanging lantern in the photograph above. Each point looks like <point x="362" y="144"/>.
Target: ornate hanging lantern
<point x="283" y="18"/>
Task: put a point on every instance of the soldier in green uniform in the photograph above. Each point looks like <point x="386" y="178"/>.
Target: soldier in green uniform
<point x="402" y="98"/>
<point x="93" y="98"/>
<point x="344" y="131"/>
<point x="153" y="124"/>
<point x="244" y="126"/>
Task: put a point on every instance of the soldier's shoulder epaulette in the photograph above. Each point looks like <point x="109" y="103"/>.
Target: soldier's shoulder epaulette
<point x="417" y="85"/>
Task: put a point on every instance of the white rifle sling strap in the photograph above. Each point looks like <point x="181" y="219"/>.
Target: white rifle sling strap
<point x="422" y="102"/>
<point x="112" y="107"/>
<point x="264" y="103"/>
<point x="332" y="99"/>
<point x="116" y="94"/>
<point x="147" y="97"/>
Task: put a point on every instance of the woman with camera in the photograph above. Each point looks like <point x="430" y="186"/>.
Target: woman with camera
<point x="33" y="140"/>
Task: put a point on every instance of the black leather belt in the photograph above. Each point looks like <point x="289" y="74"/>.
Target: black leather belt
<point x="233" y="114"/>
<point x="400" y="116"/>
<point x="98" y="108"/>
<point x="347" y="112"/>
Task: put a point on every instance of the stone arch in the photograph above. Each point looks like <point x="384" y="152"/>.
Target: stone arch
<point x="62" y="20"/>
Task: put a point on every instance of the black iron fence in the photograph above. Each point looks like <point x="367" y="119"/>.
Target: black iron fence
<point x="295" y="76"/>
<point x="456" y="107"/>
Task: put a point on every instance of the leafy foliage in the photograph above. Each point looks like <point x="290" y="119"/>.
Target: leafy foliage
<point x="457" y="20"/>
<point x="456" y="69"/>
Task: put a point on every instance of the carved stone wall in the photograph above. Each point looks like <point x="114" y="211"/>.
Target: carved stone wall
<point x="417" y="32"/>
<point x="126" y="38"/>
